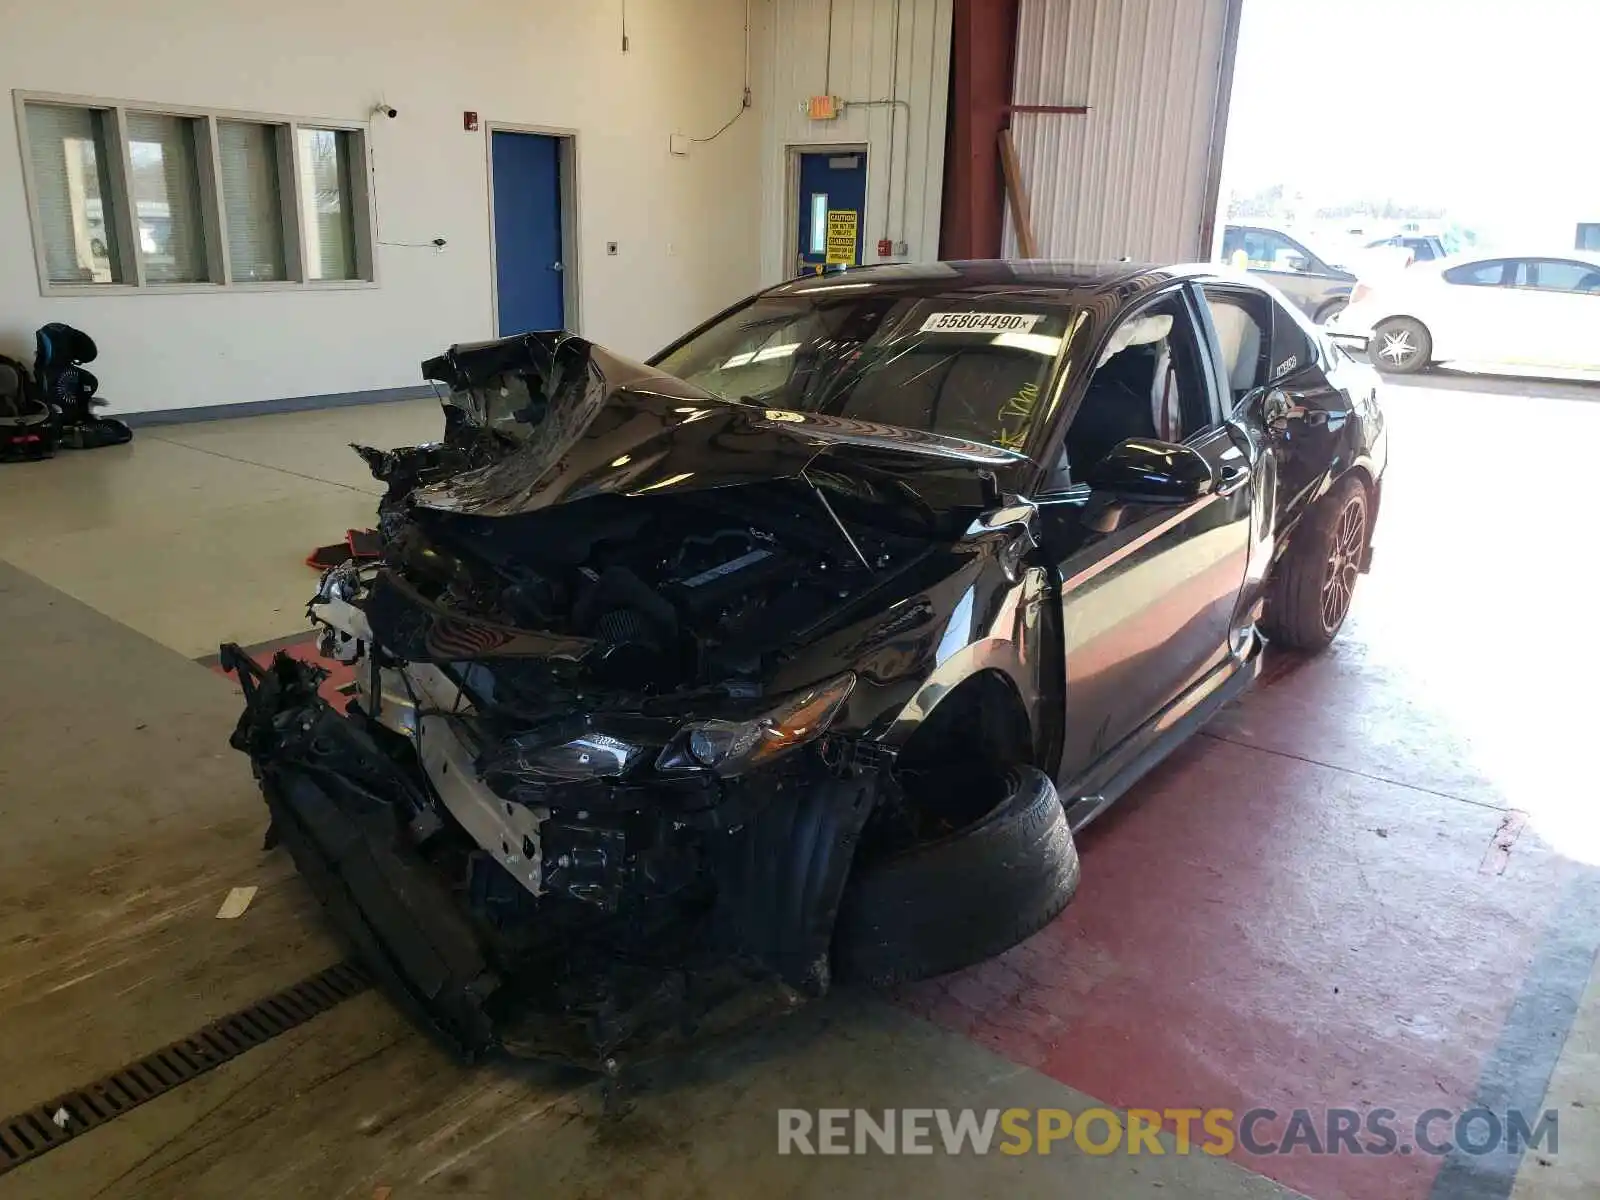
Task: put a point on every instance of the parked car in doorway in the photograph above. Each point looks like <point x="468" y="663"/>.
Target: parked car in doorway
<point x="803" y="651"/>
<point x="1318" y="284"/>
<point x="1420" y="247"/>
<point x="1535" y="312"/>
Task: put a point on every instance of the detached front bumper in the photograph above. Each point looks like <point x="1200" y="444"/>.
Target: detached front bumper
<point x="342" y="806"/>
<point x="482" y="962"/>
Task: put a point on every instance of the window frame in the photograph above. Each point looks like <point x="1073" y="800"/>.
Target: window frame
<point x="1222" y="383"/>
<point x="218" y="268"/>
<point x="1047" y="443"/>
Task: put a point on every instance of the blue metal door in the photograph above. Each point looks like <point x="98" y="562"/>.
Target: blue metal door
<point x="528" y="269"/>
<point x="832" y="210"/>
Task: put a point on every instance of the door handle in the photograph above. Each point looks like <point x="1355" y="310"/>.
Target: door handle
<point x="556" y="266"/>
<point x="1231" y="478"/>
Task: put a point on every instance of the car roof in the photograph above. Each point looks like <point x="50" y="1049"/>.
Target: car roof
<point x="1068" y="282"/>
<point x="1589" y="257"/>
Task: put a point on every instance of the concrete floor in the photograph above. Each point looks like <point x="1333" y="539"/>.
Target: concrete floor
<point x="1370" y="884"/>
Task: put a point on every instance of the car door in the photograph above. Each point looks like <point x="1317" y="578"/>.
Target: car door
<point x="1554" y="310"/>
<point x="1290" y="267"/>
<point x="1149" y="592"/>
<point x="1471" y="315"/>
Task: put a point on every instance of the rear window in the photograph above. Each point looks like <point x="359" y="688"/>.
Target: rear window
<point x="971" y="367"/>
<point x="1559" y="275"/>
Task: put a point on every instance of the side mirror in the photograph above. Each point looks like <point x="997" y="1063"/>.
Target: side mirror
<point x="1148" y="471"/>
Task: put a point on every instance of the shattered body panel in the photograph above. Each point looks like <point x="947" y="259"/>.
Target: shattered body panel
<point x="510" y="820"/>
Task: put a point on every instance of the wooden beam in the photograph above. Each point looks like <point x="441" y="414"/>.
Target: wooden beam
<point x="1017" y="195"/>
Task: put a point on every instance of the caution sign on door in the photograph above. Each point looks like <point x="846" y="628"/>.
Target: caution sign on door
<point x="842" y="226"/>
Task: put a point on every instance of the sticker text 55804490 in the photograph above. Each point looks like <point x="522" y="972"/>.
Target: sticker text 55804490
<point x="981" y="322"/>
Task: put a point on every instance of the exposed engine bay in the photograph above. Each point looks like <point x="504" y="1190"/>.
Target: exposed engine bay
<point x="613" y="744"/>
<point x="691" y="591"/>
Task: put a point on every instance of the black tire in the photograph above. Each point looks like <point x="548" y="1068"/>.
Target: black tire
<point x="1331" y="309"/>
<point x="1313" y="583"/>
<point x="963" y="898"/>
<point x="1400" y="346"/>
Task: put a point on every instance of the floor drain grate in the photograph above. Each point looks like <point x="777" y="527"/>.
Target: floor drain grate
<point x="41" y="1129"/>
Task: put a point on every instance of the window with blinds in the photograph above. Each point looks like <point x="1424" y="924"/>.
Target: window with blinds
<point x="326" y="203"/>
<point x="252" y="202"/>
<point x="165" y="182"/>
<point x="133" y="196"/>
<point x="76" y="224"/>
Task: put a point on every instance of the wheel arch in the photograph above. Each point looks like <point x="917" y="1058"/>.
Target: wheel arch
<point x="988" y="702"/>
<point x="1012" y="650"/>
<point x="1329" y="307"/>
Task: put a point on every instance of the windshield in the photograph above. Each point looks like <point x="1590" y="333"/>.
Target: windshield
<point x="971" y="367"/>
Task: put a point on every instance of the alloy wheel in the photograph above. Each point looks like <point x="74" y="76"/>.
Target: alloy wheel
<point x="1344" y="562"/>
<point x="1398" y="347"/>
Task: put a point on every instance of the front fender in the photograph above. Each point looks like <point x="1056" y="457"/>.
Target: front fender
<point x="991" y="628"/>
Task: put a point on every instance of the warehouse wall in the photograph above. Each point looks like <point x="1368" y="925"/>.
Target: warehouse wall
<point x="868" y="62"/>
<point x="687" y="227"/>
<point x="1130" y="177"/>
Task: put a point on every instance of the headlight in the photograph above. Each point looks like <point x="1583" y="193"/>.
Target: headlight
<point x="732" y="747"/>
<point x="592" y="755"/>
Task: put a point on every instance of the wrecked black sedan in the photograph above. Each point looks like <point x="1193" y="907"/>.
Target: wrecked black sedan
<point x="801" y="652"/>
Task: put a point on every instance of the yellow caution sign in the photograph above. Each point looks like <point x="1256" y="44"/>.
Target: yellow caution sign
<point x="842" y="226"/>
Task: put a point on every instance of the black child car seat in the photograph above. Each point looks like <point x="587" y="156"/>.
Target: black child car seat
<point x="70" y="388"/>
<point x="29" y="428"/>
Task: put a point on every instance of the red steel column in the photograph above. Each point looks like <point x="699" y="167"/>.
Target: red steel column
<point x="983" y="40"/>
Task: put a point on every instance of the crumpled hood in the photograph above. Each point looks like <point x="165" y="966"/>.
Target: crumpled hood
<point x="599" y="424"/>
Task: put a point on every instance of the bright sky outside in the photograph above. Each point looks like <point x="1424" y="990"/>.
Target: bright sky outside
<point x="1488" y="108"/>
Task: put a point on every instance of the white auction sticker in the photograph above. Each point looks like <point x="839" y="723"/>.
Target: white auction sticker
<point x="979" y="322"/>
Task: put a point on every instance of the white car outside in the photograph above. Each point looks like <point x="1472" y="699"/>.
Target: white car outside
<point x="1530" y="311"/>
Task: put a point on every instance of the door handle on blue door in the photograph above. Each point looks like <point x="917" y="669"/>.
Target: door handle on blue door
<point x="555" y="266"/>
<point x="1231" y="478"/>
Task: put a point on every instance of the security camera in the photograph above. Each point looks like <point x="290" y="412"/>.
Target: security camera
<point x="386" y="110"/>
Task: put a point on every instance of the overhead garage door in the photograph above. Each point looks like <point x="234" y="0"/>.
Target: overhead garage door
<point x="1136" y="176"/>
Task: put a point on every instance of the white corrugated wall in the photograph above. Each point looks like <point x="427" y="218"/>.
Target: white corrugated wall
<point x="1129" y="179"/>
<point x="869" y="62"/>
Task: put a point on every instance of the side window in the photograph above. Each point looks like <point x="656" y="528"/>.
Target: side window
<point x="1294" y="343"/>
<point x="1268" y="250"/>
<point x="1243" y="322"/>
<point x="1148" y="382"/>
<point x="1559" y="275"/>
<point x="1479" y="274"/>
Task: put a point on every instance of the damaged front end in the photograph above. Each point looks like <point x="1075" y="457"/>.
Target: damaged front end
<point x="622" y="676"/>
